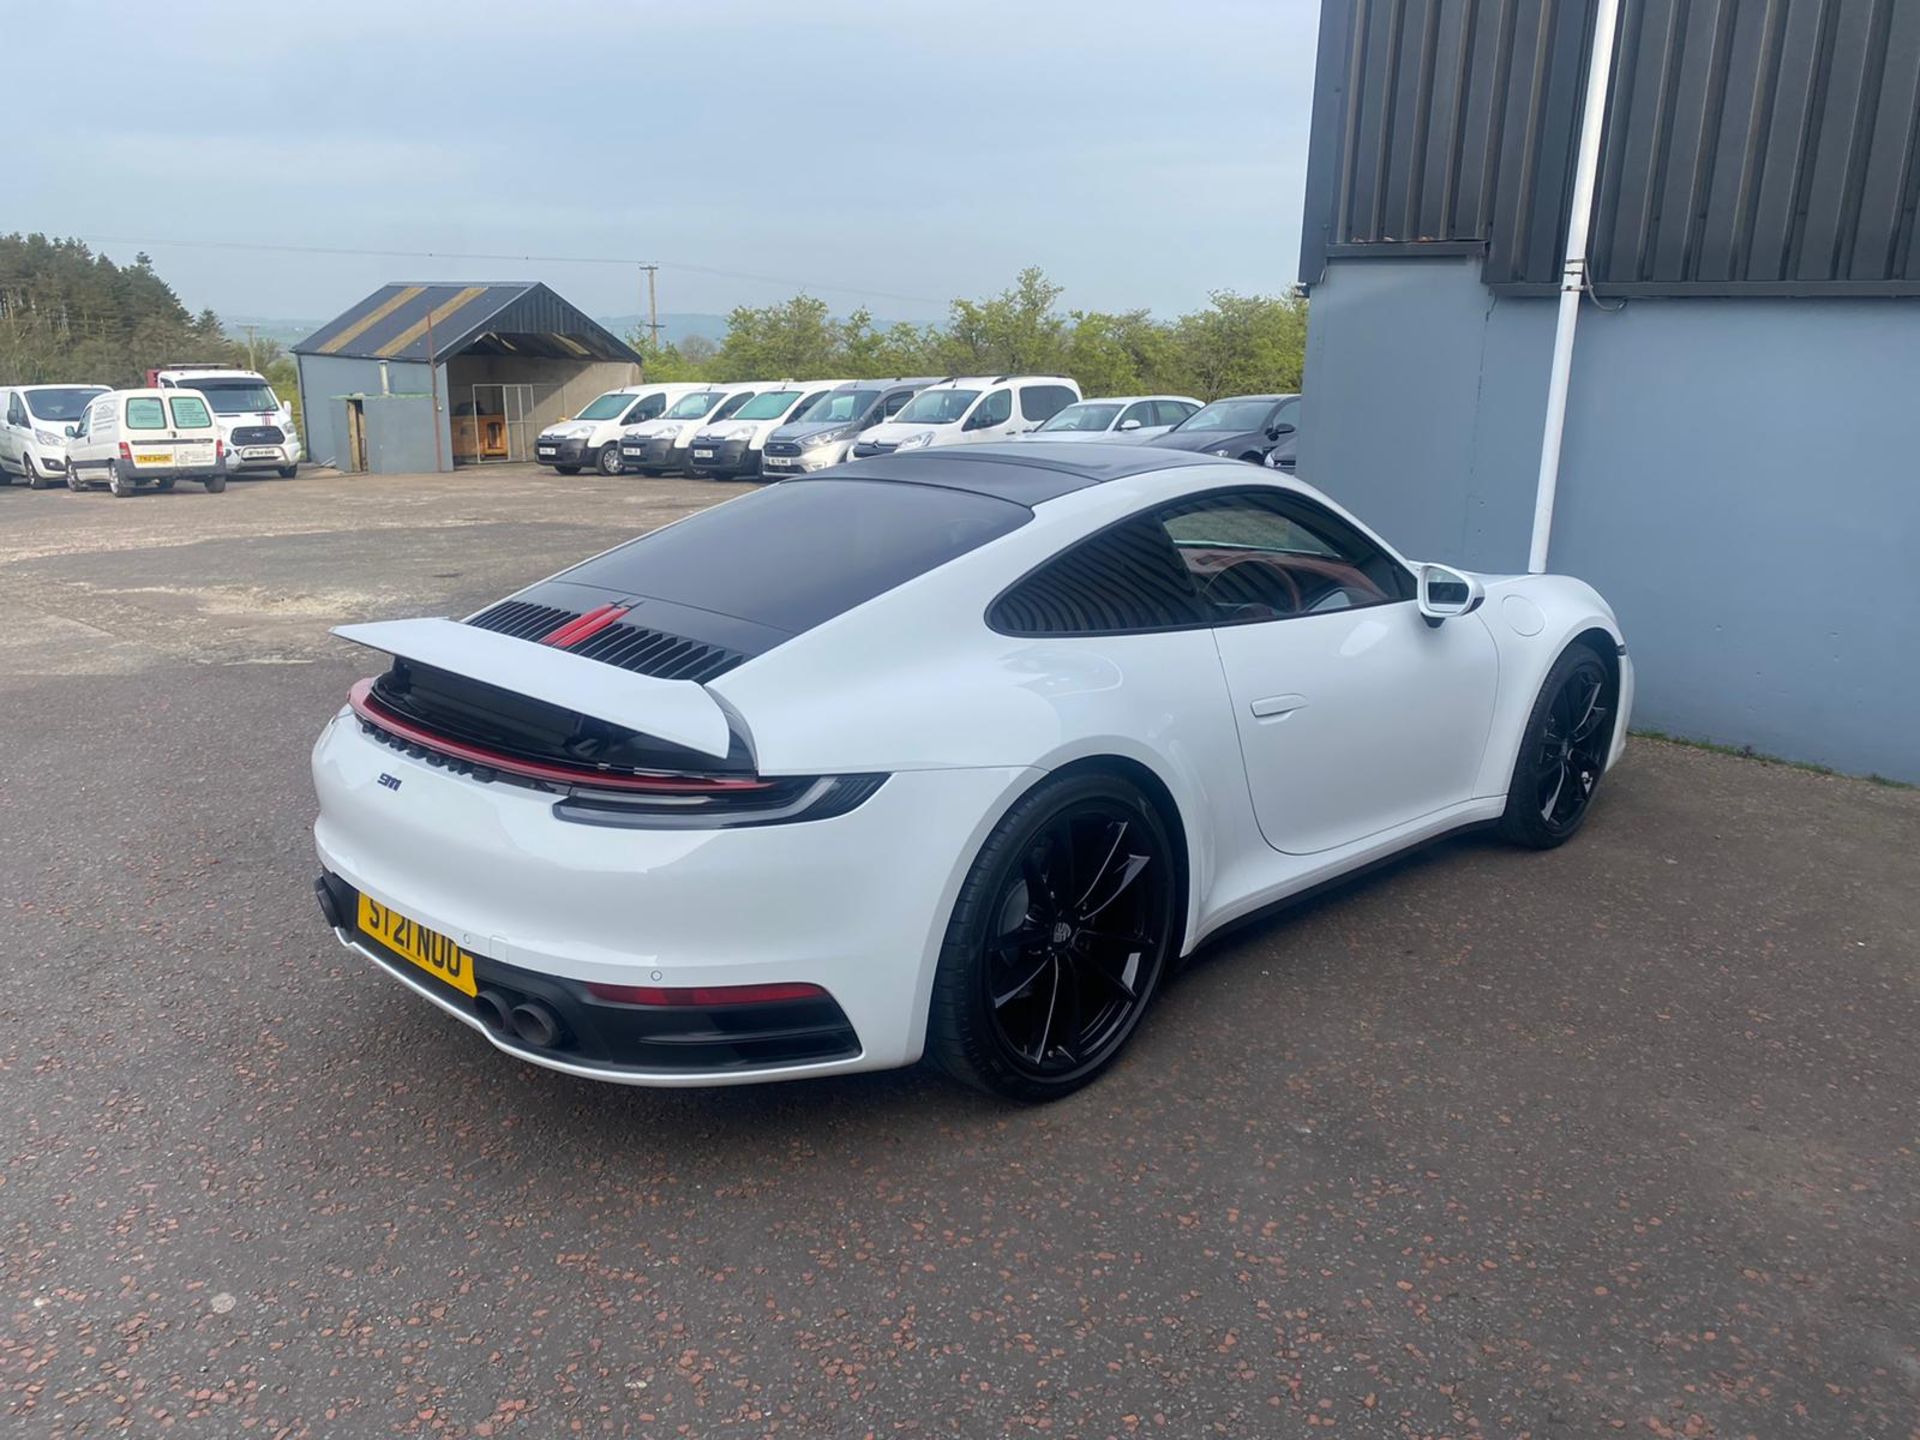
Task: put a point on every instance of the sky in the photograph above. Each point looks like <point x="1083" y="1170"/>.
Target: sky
<point x="893" y="155"/>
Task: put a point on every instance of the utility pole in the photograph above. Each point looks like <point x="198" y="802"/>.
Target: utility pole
<point x="249" y="329"/>
<point x="653" y="305"/>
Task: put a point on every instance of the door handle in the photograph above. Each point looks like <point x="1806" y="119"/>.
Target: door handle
<point x="1277" y="707"/>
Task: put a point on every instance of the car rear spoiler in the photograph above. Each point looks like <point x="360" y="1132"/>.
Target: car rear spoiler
<point x="679" y="712"/>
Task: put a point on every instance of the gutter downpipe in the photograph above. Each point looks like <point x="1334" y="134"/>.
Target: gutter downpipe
<point x="1573" y="277"/>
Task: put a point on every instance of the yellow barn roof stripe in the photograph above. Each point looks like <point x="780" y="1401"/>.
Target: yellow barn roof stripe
<point x="437" y="316"/>
<point x="372" y="318"/>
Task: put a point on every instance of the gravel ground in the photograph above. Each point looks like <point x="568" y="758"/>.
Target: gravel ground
<point x="1619" y="1137"/>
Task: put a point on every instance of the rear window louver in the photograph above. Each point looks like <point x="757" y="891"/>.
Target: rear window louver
<point x="522" y="619"/>
<point x="631" y="647"/>
<point x="653" y="652"/>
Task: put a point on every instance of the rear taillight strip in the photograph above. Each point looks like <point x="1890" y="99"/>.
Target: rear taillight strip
<point x="368" y="707"/>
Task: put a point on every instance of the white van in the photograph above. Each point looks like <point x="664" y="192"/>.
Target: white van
<point x="593" y="436"/>
<point x="33" y="430"/>
<point x="733" y="447"/>
<point x="156" y="436"/>
<point x="971" y="409"/>
<point x="256" y="425"/>
<point x="660" y="447"/>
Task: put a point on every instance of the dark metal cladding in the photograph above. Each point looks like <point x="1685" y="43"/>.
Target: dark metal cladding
<point x="1751" y="147"/>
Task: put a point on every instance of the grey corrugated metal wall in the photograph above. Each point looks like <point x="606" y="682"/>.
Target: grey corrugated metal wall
<point x="1751" y="147"/>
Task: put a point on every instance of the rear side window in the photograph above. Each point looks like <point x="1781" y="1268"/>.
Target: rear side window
<point x="146" y="412"/>
<point x="1127" y="578"/>
<point x="799" y="553"/>
<point x="1043" y="402"/>
<point x="189" y="412"/>
<point x="1172" y="412"/>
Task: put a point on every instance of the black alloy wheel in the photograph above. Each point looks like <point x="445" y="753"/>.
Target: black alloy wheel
<point x="1060" y="939"/>
<point x="1564" y="752"/>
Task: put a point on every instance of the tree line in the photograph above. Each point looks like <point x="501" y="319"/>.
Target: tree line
<point x="1239" y="344"/>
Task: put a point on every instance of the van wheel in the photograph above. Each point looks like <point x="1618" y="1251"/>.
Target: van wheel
<point x="216" y="483"/>
<point x="607" y="462"/>
<point x="120" y="485"/>
<point x="35" y="480"/>
<point x="287" y="472"/>
<point x="568" y="469"/>
<point x="74" y="482"/>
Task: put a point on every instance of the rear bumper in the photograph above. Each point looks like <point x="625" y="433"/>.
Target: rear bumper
<point x="856" y="904"/>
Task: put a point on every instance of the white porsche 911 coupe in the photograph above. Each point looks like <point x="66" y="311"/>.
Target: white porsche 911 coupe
<point x="954" y="752"/>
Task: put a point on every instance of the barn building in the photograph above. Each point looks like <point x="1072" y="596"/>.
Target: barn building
<point x="426" y="377"/>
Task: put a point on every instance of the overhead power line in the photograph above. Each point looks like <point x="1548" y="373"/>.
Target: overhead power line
<point x="154" y="243"/>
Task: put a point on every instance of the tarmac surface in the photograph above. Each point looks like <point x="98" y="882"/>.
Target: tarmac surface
<point x="1615" y="1138"/>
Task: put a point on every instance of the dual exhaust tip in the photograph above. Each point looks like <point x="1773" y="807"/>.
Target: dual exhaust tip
<point x="533" y="1022"/>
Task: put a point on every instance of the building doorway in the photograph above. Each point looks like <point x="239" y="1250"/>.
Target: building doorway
<point x="357" y="436"/>
<point x="491" y="425"/>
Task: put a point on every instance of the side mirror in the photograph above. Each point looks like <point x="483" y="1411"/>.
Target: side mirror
<point x="1283" y="428"/>
<point x="1445" y="593"/>
<point x="1128" y="425"/>
<point x="70" y="430"/>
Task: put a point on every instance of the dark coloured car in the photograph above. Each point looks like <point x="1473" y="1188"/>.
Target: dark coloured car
<point x="1240" y="427"/>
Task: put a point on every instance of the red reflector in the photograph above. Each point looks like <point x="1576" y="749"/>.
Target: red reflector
<point x="705" y="994"/>
<point x="126" y="452"/>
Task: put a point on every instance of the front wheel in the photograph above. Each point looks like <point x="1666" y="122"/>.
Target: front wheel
<point x="287" y="472"/>
<point x="35" y="480"/>
<point x="607" y="462"/>
<point x="568" y="469"/>
<point x="1563" y="752"/>
<point x="74" y="482"/>
<point x="1058" y="941"/>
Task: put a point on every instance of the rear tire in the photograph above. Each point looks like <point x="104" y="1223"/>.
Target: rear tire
<point x="120" y="485"/>
<point x="1058" y="941"/>
<point x="215" y="484"/>
<point x="1563" y="752"/>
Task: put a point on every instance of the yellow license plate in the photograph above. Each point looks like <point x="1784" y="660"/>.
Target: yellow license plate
<point x="148" y="457"/>
<point x="429" y="949"/>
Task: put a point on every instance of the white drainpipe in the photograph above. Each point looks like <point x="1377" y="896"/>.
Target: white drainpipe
<point x="1573" y="278"/>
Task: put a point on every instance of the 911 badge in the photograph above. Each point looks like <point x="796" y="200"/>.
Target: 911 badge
<point x="391" y="782"/>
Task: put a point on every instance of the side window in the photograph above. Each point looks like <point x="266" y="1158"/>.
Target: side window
<point x="731" y="404"/>
<point x="190" y="412"/>
<point x="1287" y="412"/>
<point x="807" y="402"/>
<point x="146" y="412"/>
<point x="1140" y="413"/>
<point x="895" y="403"/>
<point x="1043" y="402"/>
<point x="996" y="409"/>
<point x="1269" y="554"/>
<point x="1129" y="577"/>
<point x="1234" y="557"/>
<point x="649" y="407"/>
<point x="1172" y="412"/>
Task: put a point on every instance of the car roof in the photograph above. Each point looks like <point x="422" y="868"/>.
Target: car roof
<point x="978" y="381"/>
<point x="1128" y="399"/>
<point x="1015" y="472"/>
